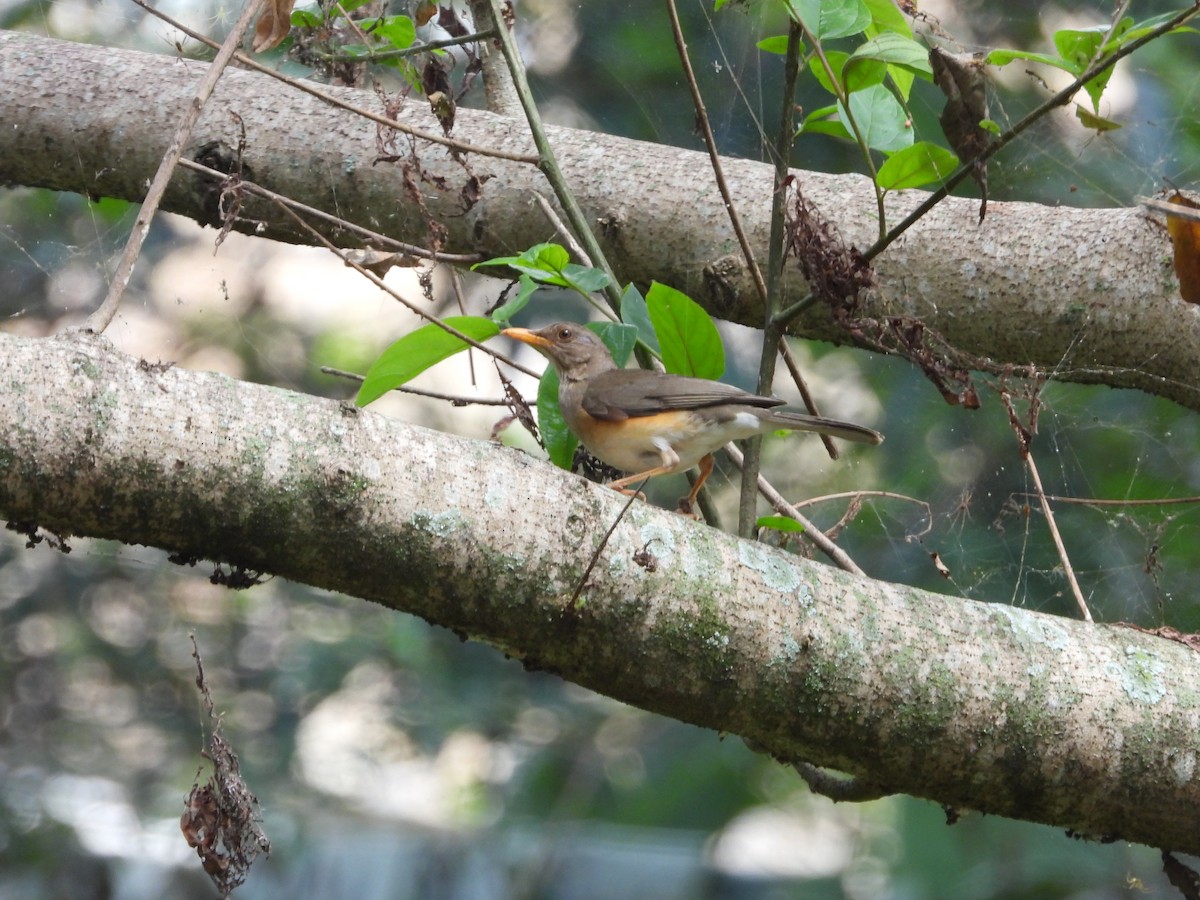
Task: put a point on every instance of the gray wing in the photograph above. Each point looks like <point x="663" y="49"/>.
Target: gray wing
<point x="626" y="393"/>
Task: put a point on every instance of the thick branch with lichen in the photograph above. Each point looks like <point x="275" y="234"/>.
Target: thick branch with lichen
<point x="972" y="705"/>
<point x="1088" y="294"/>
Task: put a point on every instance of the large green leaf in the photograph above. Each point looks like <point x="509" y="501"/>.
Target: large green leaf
<point x="825" y="121"/>
<point x="417" y="351"/>
<point x="560" y="444"/>
<point x="831" y="19"/>
<point x="886" y="16"/>
<point x="634" y="312"/>
<point x="882" y="121"/>
<point x="893" y="49"/>
<point x="837" y="61"/>
<point x="922" y="163"/>
<point x="688" y="338"/>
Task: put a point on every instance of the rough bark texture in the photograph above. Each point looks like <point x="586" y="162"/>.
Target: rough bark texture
<point x="981" y="706"/>
<point x="1089" y="294"/>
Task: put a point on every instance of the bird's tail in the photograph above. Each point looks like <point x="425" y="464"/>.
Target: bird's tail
<point x="801" y="422"/>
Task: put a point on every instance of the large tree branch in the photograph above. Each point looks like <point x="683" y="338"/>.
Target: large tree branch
<point x="1089" y="294"/>
<point x="973" y="705"/>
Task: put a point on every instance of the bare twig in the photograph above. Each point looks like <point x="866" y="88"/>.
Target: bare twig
<point x="547" y="163"/>
<point x="561" y="229"/>
<point x="99" y="319"/>
<point x="835" y="553"/>
<point x="394" y="294"/>
<point x="1057" y="538"/>
<point x="376" y="239"/>
<point x="802" y="386"/>
<point x="306" y="87"/>
<point x="452" y="399"/>
<point x="1092" y="501"/>
<point x="604" y="543"/>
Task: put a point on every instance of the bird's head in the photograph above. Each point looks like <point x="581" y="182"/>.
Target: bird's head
<point x="575" y="351"/>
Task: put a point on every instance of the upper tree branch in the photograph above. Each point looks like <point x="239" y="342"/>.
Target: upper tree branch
<point x="1088" y="294"/>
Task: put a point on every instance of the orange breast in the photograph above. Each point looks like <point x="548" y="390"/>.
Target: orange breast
<point x="633" y="445"/>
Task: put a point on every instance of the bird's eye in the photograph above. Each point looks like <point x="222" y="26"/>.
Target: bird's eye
<point x="565" y="334"/>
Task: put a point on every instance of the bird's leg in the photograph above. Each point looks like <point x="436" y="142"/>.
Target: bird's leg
<point x="688" y="503"/>
<point x="670" y="462"/>
<point x="622" y="484"/>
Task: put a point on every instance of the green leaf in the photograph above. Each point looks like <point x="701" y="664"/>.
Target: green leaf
<point x="914" y="166"/>
<point x="1093" y="121"/>
<point x="633" y="312"/>
<point x="551" y="264"/>
<point x="825" y="121"/>
<point x="886" y="16"/>
<point x="399" y="31"/>
<point x="417" y="351"/>
<point x="1004" y="57"/>
<point x="779" y="523"/>
<point x="897" y="50"/>
<point x="557" y="438"/>
<point x="350" y="6"/>
<point x="881" y="119"/>
<point x="831" y="19"/>
<point x="989" y="125"/>
<point x="619" y="338"/>
<point x="1076" y="47"/>
<point x="775" y="44"/>
<point x="584" y="278"/>
<point x="837" y="61"/>
<point x="304" y="18"/>
<point x="527" y="287"/>
<point x="687" y="336"/>
<point x="1141" y="29"/>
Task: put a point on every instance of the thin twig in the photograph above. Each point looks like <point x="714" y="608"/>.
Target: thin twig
<point x="809" y="403"/>
<point x="835" y="553"/>
<point x="99" y="319"/>
<point x="1171" y="209"/>
<point x="498" y="88"/>
<point x="714" y="155"/>
<point x="604" y="543"/>
<point x="1056" y="537"/>
<point x="381" y="241"/>
<point x="372" y="56"/>
<point x="395" y="295"/>
<point x="306" y="87"/>
<point x="547" y="163"/>
<point x="561" y="229"/>
<point x="1085" y="501"/>
<point x="452" y="399"/>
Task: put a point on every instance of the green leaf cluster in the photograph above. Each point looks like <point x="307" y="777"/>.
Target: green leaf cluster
<point x="1081" y="48"/>
<point x="384" y="35"/>
<point x="870" y="84"/>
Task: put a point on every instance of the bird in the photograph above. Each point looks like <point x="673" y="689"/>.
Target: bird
<point x="652" y="423"/>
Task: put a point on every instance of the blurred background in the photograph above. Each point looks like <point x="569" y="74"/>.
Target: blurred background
<point x="392" y="760"/>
